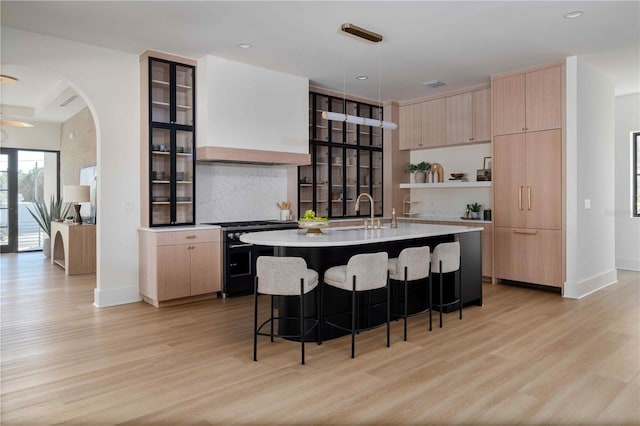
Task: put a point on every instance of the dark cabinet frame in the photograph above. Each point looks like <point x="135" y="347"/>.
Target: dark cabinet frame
<point x="172" y="127"/>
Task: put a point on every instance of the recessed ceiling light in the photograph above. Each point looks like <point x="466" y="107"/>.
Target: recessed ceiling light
<point x="362" y="77"/>
<point x="7" y="79"/>
<point x="573" y="14"/>
<point x="434" y="83"/>
<point x="244" y="45"/>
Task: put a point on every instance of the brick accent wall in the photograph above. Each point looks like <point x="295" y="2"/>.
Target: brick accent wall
<point x="79" y="150"/>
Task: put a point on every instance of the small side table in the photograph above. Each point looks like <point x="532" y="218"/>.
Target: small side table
<point x="73" y="247"/>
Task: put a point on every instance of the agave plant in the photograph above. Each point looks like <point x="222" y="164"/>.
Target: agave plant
<point x="43" y="215"/>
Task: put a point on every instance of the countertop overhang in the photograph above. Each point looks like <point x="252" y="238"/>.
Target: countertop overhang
<point x="349" y="236"/>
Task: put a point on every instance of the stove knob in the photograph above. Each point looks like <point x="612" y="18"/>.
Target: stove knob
<point x="230" y="235"/>
<point x="239" y="234"/>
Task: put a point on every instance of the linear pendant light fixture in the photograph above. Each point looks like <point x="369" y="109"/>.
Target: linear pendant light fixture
<point x="337" y="116"/>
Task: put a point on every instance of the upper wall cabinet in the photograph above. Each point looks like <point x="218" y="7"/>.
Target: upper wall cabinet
<point x="168" y="140"/>
<point x="450" y="120"/>
<point x="528" y="102"/>
<point x="468" y="117"/>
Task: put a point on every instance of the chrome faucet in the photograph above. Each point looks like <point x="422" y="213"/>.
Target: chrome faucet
<point x="364" y="194"/>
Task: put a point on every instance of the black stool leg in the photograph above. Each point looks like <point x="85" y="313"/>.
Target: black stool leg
<point x="255" y="320"/>
<point x="319" y="313"/>
<point x="430" y="295"/>
<point x="353" y="319"/>
<point x="272" y="318"/>
<point x="460" y="291"/>
<point x="441" y="294"/>
<point x="389" y="312"/>
<point x="302" y="317"/>
<point x="405" y="303"/>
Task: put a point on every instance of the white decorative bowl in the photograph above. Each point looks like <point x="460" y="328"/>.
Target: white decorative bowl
<point x="313" y="228"/>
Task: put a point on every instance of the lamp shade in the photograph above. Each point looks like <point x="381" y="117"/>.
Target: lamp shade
<point x="76" y="193"/>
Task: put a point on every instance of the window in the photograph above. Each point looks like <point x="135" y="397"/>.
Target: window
<point x="635" y="174"/>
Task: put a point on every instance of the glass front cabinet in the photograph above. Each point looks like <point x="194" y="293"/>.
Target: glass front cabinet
<point x="346" y="160"/>
<point x="171" y="143"/>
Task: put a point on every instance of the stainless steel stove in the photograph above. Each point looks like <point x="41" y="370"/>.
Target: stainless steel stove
<point x="239" y="259"/>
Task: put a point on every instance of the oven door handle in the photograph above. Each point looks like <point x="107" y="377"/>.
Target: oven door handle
<point x="233" y="246"/>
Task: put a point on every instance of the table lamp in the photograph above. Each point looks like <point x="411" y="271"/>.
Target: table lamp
<point x="76" y="194"/>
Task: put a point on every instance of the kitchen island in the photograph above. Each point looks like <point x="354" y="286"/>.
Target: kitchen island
<point x="336" y="245"/>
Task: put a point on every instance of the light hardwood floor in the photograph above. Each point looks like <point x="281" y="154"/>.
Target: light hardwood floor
<point x="525" y="357"/>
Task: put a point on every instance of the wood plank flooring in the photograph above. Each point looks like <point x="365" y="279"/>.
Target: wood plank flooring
<point x="526" y="357"/>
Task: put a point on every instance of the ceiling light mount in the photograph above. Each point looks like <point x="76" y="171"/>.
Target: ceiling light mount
<point x="361" y="32"/>
<point x="244" y="45"/>
<point x="434" y="83"/>
<point x="573" y="14"/>
<point x="362" y="77"/>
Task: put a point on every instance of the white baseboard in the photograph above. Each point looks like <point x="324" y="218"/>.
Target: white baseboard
<point x="116" y="296"/>
<point x="590" y="285"/>
<point x="628" y="263"/>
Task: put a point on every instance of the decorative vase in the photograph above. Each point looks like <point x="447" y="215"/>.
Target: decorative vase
<point x="46" y="247"/>
<point x="420" y="177"/>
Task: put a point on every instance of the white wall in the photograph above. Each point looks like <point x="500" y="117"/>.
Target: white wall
<point x="242" y="106"/>
<point x="590" y="176"/>
<point x="451" y="202"/>
<point x="109" y="83"/>
<point x="627" y="226"/>
<point x="42" y="135"/>
<point x="227" y="192"/>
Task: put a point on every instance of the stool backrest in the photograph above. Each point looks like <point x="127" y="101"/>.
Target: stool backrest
<point x="449" y="253"/>
<point x="280" y="275"/>
<point x="416" y="259"/>
<point x="370" y="269"/>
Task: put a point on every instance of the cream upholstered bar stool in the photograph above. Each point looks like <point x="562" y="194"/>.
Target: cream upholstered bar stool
<point x="412" y="264"/>
<point x="282" y="276"/>
<point x="446" y="259"/>
<point x="362" y="273"/>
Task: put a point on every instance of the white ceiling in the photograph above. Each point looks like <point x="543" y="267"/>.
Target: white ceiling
<point x="461" y="43"/>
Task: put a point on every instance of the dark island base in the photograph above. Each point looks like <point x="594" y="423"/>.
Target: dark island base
<point x="337" y="303"/>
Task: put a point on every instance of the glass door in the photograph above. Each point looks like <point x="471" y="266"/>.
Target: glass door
<point x="27" y="178"/>
<point x="8" y="210"/>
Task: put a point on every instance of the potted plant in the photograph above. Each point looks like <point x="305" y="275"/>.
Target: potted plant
<point x="475" y="210"/>
<point x="43" y="216"/>
<point x="419" y="171"/>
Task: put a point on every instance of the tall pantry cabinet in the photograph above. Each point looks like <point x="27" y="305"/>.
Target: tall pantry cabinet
<point x="528" y="117"/>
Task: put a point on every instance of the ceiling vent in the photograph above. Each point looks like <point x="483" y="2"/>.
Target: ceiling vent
<point x="434" y="83"/>
<point x="361" y="32"/>
<point x="69" y="100"/>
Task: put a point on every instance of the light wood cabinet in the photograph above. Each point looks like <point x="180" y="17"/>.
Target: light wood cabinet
<point x="179" y="266"/>
<point x="410" y="126"/>
<point x="481" y="111"/>
<point x="528" y="110"/>
<point x="529" y="255"/>
<point x="528" y="102"/>
<point x="433" y="123"/>
<point x="468" y="117"/>
<point x="528" y="180"/>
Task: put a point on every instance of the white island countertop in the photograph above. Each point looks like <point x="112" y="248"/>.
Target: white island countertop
<point x="349" y="236"/>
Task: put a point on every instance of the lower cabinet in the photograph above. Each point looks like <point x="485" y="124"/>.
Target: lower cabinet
<point x="529" y="255"/>
<point x="179" y="266"/>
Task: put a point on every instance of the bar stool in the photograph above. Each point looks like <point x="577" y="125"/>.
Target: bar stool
<point x="445" y="259"/>
<point x="412" y="264"/>
<point x="282" y="276"/>
<point x="363" y="272"/>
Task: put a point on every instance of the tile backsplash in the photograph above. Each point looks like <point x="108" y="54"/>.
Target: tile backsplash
<point x="232" y="192"/>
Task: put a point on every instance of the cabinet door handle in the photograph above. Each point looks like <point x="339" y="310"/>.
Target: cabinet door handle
<point x="528" y="197"/>
<point x="190" y="237"/>
<point x="520" y="197"/>
<point x="525" y="232"/>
